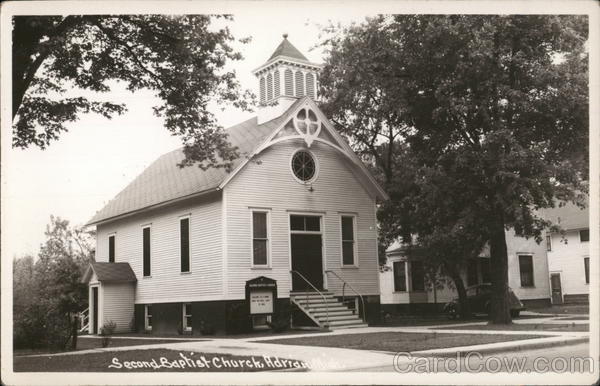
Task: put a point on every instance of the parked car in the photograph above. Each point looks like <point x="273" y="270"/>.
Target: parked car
<point x="480" y="298"/>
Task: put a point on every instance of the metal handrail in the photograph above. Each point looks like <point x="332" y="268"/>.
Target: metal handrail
<point x="84" y="319"/>
<point x="315" y="288"/>
<point x="364" y="309"/>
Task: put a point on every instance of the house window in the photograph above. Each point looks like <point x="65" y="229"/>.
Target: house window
<point x="484" y="266"/>
<point x="146" y="250"/>
<point x="348" y="249"/>
<point x="148" y="317"/>
<point x="472" y="276"/>
<point x="400" y="276"/>
<point x="584" y="235"/>
<point x="184" y="243"/>
<point x="260" y="238"/>
<point x="111" y="248"/>
<point x="187" y="316"/>
<point x="526" y="270"/>
<point x="305" y="223"/>
<point x="548" y="243"/>
<point x="417" y="275"/>
<point x="586" y="267"/>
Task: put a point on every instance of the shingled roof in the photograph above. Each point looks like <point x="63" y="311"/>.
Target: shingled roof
<point x="164" y="181"/>
<point x="110" y="272"/>
<point x="287" y="49"/>
<point x="568" y="217"/>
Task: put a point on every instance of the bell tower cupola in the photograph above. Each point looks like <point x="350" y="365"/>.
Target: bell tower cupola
<point x="285" y="77"/>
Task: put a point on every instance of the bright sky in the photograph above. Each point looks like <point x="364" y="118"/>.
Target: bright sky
<point x="97" y="158"/>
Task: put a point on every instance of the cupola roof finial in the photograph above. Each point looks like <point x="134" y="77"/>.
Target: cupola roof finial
<point x="285" y="35"/>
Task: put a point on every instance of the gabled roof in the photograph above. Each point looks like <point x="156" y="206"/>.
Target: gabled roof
<point x="287" y="49"/>
<point x="164" y="181"/>
<point x="568" y="217"/>
<point x="110" y="272"/>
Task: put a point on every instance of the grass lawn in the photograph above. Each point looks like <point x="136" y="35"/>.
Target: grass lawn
<point x="91" y="343"/>
<point x="525" y="327"/>
<point x="563" y="309"/>
<point x="417" y="321"/>
<point x="398" y="341"/>
<point x="154" y="360"/>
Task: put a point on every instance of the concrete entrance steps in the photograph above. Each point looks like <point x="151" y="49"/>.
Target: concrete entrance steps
<point x="326" y="310"/>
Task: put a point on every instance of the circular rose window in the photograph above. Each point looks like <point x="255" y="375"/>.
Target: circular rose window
<point x="304" y="166"/>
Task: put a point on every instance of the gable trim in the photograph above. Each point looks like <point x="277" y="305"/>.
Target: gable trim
<point x="344" y="148"/>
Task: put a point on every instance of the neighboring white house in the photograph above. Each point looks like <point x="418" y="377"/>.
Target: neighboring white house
<point x="527" y="276"/>
<point x="296" y="213"/>
<point x="569" y="254"/>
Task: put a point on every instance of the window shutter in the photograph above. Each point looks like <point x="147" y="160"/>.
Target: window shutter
<point x="289" y="82"/>
<point x="310" y="85"/>
<point x="276" y="84"/>
<point x="269" y="87"/>
<point x="299" y="84"/>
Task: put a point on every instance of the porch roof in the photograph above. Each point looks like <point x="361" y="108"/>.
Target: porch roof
<point x="110" y="272"/>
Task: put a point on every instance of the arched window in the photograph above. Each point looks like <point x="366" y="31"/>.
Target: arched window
<point x="310" y="85"/>
<point x="276" y="83"/>
<point x="299" y="84"/>
<point x="262" y="89"/>
<point x="269" y="87"/>
<point x="289" y="82"/>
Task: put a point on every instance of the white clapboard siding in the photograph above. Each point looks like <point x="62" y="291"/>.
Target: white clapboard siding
<point x="515" y="246"/>
<point x="567" y="258"/>
<point x="118" y="305"/>
<point x="167" y="283"/>
<point x="267" y="182"/>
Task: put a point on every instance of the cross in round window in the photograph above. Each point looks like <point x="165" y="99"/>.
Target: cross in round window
<point x="304" y="166"/>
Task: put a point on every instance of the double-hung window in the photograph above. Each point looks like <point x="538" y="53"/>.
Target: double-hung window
<point x="146" y="249"/>
<point x="348" y="240"/>
<point x="260" y="238"/>
<point x="184" y="243"/>
<point x="526" y="270"/>
<point x="400" y="276"/>
<point x="187" y="317"/>
<point x="148" y="317"/>
<point x="111" y="248"/>
<point x="586" y="267"/>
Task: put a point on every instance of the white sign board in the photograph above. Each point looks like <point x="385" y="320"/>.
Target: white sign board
<point x="261" y="302"/>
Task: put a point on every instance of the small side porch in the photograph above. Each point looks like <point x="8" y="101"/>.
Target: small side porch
<point x="111" y="296"/>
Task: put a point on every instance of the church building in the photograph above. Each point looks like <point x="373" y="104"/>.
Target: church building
<point x="291" y="227"/>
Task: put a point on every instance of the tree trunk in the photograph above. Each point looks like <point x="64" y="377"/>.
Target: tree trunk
<point x="74" y="328"/>
<point x="463" y="303"/>
<point x="500" y="304"/>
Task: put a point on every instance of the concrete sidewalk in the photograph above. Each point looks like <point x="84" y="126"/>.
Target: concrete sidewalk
<point x="342" y="359"/>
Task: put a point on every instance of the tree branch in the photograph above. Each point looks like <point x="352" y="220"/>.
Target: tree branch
<point x="21" y="88"/>
<point x="129" y="49"/>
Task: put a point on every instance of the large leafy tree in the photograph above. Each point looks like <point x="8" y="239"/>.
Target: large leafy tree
<point x="496" y="106"/>
<point x="48" y="291"/>
<point x="181" y="58"/>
